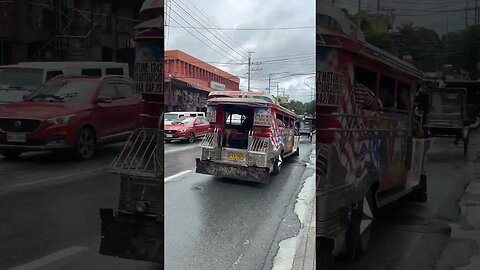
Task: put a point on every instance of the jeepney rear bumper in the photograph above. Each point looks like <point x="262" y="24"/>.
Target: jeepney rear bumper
<point x="252" y="174"/>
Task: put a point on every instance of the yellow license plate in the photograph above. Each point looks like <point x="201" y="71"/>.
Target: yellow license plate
<point x="235" y="156"/>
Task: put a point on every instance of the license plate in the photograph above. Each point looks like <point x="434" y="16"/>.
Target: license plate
<point x="235" y="156"/>
<point x="16" y="138"/>
<point x="169" y="135"/>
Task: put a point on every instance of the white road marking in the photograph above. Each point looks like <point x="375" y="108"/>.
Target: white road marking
<point x="41" y="181"/>
<point x="181" y="149"/>
<point x="56" y="256"/>
<point x="168" y="179"/>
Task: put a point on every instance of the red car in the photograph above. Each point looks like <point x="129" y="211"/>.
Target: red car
<point x="71" y="113"/>
<point x="187" y="128"/>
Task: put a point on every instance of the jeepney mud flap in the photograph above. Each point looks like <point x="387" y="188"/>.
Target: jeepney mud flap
<point x="252" y="174"/>
<point x="131" y="237"/>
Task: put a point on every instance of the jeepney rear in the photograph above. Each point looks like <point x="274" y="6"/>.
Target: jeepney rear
<point x="250" y="156"/>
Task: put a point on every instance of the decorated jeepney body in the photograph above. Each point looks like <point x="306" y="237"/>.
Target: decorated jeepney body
<point x="367" y="152"/>
<point x="254" y="152"/>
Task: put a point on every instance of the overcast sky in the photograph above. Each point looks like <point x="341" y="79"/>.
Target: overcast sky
<point x="285" y="52"/>
<point x="427" y="13"/>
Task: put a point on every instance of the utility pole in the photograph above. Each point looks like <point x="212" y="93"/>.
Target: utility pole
<point x="277" y="90"/>
<point x="249" y="62"/>
<point x="269" y="79"/>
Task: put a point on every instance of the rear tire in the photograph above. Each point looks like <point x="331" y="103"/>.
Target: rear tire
<point x="356" y="240"/>
<point x="277" y="165"/>
<point x="324" y="259"/>
<point x="297" y="153"/>
<point x="86" y="144"/>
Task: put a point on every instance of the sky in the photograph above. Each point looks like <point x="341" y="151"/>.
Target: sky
<point x="431" y="14"/>
<point x="230" y="29"/>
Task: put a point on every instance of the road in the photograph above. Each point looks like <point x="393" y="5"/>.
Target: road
<point x="50" y="213"/>
<point x="415" y="235"/>
<point x="222" y="224"/>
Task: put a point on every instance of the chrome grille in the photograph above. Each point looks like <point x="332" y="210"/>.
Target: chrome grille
<point x="259" y="145"/>
<point x="170" y="131"/>
<point x="19" y="125"/>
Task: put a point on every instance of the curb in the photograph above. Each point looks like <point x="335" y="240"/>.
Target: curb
<point x="305" y="253"/>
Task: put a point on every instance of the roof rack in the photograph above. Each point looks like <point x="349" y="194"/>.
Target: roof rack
<point x="93" y="77"/>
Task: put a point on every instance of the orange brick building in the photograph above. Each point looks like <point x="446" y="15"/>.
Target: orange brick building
<point x="188" y="81"/>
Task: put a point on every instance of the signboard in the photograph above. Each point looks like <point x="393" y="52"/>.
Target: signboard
<point x="149" y="67"/>
<point x="263" y="117"/>
<point x="217" y="86"/>
<point x="212" y="114"/>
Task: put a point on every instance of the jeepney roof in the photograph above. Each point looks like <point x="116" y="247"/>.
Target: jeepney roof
<point x="248" y="98"/>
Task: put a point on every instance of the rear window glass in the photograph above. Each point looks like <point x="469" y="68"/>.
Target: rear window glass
<point x="114" y="71"/>
<point x="92" y="72"/>
<point x="53" y="74"/>
<point x="21" y="78"/>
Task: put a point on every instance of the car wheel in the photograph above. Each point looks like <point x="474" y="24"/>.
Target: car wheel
<point x="191" y="137"/>
<point x="86" y="144"/>
<point x="11" y="155"/>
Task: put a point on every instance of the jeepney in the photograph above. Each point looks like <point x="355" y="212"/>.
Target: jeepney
<point x="368" y="154"/>
<point x="234" y="148"/>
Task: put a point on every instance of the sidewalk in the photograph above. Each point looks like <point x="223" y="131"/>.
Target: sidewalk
<point x="302" y="245"/>
<point x="463" y="250"/>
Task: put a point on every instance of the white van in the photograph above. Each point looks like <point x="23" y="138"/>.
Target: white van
<point x="169" y="117"/>
<point x="18" y="80"/>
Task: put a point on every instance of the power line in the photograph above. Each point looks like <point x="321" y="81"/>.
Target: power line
<point x="200" y="39"/>
<point x="214" y="24"/>
<point x="248" y="29"/>
<point x="186" y="12"/>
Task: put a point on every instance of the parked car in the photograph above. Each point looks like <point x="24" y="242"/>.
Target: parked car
<point x="75" y="113"/>
<point x="169" y="117"/>
<point x="187" y="128"/>
<point x="21" y="79"/>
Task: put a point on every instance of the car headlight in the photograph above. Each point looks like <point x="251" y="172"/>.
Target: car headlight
<point x="183" y="130"/>
<point x="60" y="119"/>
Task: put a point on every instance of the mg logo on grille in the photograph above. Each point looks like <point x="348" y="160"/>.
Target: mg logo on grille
<point x="17" y="124"/>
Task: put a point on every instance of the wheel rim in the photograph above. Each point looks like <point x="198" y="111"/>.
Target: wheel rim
<point x="86" y="144"/>
<point x="191" y="137"/>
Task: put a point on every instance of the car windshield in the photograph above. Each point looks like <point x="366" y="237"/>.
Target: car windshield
<point x="65" y="91"/>
<point x="170" y="116"/>
<point x="20" y="78"/>
<point x="184" y="121"/>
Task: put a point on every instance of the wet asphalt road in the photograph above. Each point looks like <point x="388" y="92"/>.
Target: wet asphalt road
<point x="50" y="213"/>
<point x="414" y="235"/>
<point x="215" y="223"/>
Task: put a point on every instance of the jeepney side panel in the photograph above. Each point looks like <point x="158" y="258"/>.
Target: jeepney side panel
<point x="351" y="141"/>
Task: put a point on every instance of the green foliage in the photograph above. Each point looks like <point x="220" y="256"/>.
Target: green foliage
<point x="299" y="107"/>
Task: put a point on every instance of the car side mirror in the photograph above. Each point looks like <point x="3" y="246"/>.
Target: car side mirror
<point x="104" y="99"/>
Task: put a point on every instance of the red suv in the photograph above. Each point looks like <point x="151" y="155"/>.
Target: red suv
<point x="187" y="128"/>
<point x="75" y="113"/>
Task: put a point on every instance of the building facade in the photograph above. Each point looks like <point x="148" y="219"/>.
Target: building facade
<point x="67" y="30"/>
<point x="188" y="81"/>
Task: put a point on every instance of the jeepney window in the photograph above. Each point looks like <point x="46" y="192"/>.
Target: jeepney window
<point x="279" y="117"/>
<point x="403" y="96"/>
<point x="387" y="92"/>
<point x="286" y="121"/>
<point x="365" y="87"/>
<point x="235" y="119"/>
